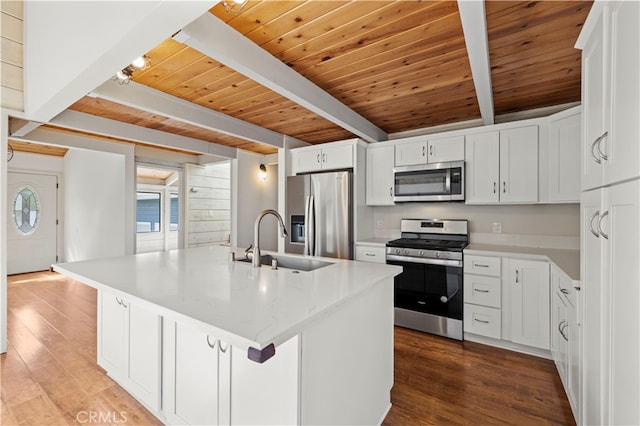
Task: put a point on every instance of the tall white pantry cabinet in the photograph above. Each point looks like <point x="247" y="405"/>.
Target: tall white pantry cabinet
<point x="610" y="214"/>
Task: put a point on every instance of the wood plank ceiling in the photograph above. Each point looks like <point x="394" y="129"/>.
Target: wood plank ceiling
<point x="403" y="65"/>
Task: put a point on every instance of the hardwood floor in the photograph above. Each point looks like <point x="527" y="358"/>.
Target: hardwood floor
<point x="50" y="377"/>
<point x="49" y="373"/>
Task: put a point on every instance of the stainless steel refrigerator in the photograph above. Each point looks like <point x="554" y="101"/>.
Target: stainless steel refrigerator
<point x="319" y="215"/>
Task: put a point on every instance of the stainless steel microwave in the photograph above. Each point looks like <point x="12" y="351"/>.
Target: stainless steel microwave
<point x="429" y="182"/>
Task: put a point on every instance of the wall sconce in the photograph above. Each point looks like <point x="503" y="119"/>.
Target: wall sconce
<point x="262" y="173"/>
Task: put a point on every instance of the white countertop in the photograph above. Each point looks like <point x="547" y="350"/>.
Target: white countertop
<point x="567" y="260"/>
<point x="233" y="301"/>
<point x="374" y="242"/>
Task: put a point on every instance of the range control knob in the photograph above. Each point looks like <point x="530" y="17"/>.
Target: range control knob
<point x="421" y="253"/>
<point x="397" y="251"/>
<point x="437" y="254"/>
<point x="406" y="251"/>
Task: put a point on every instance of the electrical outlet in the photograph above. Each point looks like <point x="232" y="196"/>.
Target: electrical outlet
<point x="380" y="224"/>
<point x="497" y="227"/>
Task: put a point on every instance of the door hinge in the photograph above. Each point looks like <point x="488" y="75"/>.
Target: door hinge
<point x="56" y="258"/>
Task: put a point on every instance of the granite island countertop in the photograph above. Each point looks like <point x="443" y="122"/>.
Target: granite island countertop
<point x="245" y="306"/>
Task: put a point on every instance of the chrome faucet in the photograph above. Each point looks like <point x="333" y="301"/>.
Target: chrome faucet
<point x="256" y="234"/>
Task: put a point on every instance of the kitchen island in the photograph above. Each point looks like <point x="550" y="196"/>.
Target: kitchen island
<point x="200" y="339"/>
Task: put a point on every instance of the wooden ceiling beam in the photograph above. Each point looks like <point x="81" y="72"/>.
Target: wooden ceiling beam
<point x="84" y="122"/>
<point x="214" y="38"/>
<point x="142" y="97"/>
<point x="474" y="26"/>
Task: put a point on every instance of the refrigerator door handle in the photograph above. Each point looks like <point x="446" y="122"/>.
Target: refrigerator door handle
<point x="309" y="229"/>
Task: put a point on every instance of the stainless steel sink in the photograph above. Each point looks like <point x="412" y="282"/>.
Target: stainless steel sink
<point x="291" y="262"/>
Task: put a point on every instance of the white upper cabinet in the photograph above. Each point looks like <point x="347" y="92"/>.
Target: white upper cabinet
<point x="430" y="151"/>
<point x="594" y="114"/>
<point x="611" y="96"/>
<point x="502" y="167"/>
<point x="482" y="168"/>
<point x="563" y="158"/>
<point x="446" y="149"/>
<point x="519" y="165"/>
<point x="410" y="153"/>
<point x="621" y="149"/>
<point x="380" y="180"/>
<point x="328" y="157"/>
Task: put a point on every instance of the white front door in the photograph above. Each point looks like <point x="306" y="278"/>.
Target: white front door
<point x="31" y="231"/>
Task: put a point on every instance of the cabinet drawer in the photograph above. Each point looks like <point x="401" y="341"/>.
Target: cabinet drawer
<point x="370" y="254"/>
<point x="482" y="265"/>
<point x="482" y="320"/>
<point x="482" y="290"/>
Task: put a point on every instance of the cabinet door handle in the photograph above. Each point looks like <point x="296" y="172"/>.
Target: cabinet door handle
<point x="595" y="143"/>
<point x="431" y="150"/>
<point x="602" y="216"/>
<point x="423" y="150"/>
<point x="119" y="301"/>
<point x="391" y="191"/>
<point x="318" y="158"/>
<point x="482" y="321"/>
<point x="224" y="351"/>
<point x="600" y="140"/>
<point x="504" y="186"/>
<point x="564" y="291"/>
<point x="494" y="187"/>
<point x="593" y="217"/>
<point x="211" y="345"/>
<point x="124" y="305"/>
<point x="517" y="276"/>
<point x="480" y="291"/>
<point x="324" y="158"/>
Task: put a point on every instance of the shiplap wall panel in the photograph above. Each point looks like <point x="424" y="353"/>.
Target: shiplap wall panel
<point x="11" y="55"/>
<point x="209" y="205"/>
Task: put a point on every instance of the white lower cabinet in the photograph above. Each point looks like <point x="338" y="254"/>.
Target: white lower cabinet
<point x="207" y="381"/>
<point x="192" y="377"/>
<point x="507" y="299"/>
<point x="527" y="283"/>
<point x="566" y="338"/>
<point x="369" y="253"/>
<point x="129" y="347"/>
<point x="482" y="296"/>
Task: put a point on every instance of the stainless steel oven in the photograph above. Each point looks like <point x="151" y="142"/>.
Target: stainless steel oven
<point x="429" y="182"/>
<point x="428" y="294"/>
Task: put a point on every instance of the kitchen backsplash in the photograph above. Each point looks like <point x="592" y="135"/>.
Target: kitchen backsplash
<point x="540" y="225"/>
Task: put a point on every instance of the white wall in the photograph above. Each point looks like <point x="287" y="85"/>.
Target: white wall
<point x="208" y="202"/>
<point x="546" y="225"/>
<point x="95" y="205"/>
<point x="253" y="196"/>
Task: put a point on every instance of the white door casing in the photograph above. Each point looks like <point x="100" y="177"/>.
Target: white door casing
<point x="31" y="236"/>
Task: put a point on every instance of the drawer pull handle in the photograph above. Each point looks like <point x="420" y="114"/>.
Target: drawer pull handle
<point x="480" y="265"/>
<point x="481" y="321"/>
<point x="564" y="291"/>
<point x="480" y="291"/>
<point x="370" y="254"/>
<point x="421" y="302"/>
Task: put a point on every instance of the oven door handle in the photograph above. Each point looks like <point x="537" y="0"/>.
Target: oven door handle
<point x="442" y="262"/>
